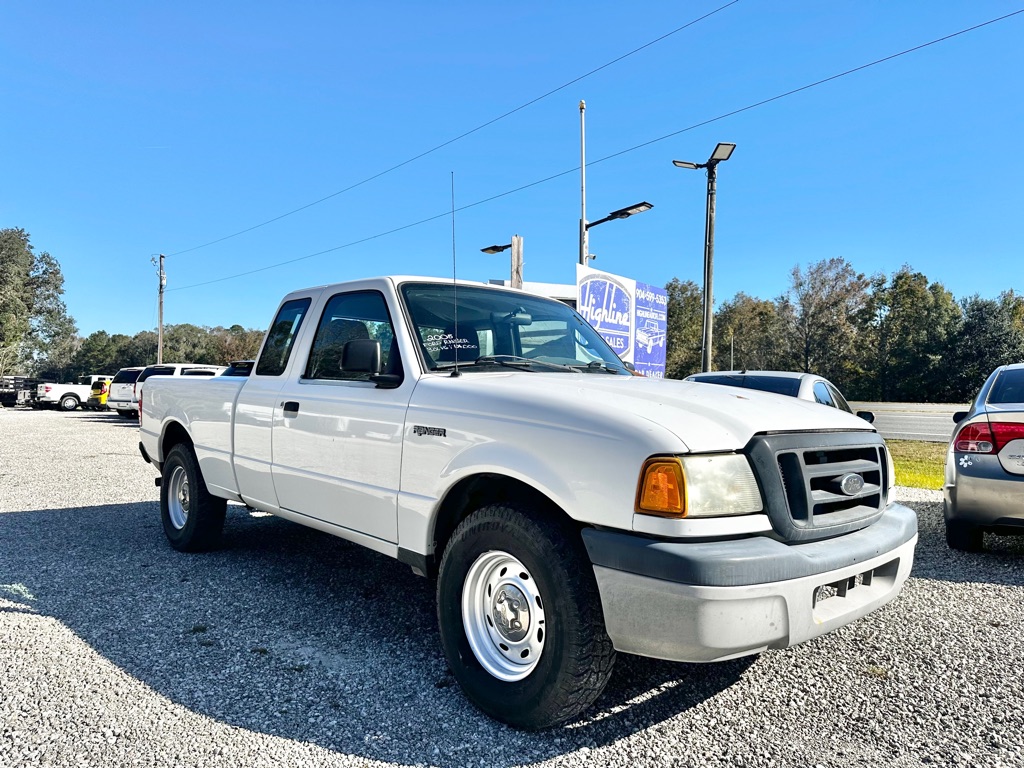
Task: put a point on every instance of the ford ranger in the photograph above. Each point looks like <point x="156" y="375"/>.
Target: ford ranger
<point x="569" y="510"/>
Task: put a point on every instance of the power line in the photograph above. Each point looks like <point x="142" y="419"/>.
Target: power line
<point x="461" y="135"/>
<point x="613" y="155"/>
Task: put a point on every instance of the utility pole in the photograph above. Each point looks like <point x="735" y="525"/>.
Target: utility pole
<point x="583" y="186"/>
<point x="160" y="321"/>
<point x="517" y="261"/>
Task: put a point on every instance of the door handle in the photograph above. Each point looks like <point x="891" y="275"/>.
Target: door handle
<point x="291" y="409"/>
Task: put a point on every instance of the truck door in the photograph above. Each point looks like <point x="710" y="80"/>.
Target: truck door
<point x="257" y="402"/>
<point x="338" y="437"/>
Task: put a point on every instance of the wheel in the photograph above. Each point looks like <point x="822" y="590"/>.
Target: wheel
<point x="193" y="518"/>
<point x="127" y="414"/>
<point x="964" y="536"/>
<point x="68" y="403"/>
<point x="520" y="617"/>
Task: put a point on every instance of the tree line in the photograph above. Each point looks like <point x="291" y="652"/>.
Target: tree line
<point x="898" y="337"/>
<point x="895" y="338"/>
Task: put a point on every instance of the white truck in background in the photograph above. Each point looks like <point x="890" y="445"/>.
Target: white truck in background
<point x="568" y="509"/>
<point x="67" y="397"/>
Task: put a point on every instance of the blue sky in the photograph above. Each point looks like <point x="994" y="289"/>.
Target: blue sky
<point x="131" y="130"/>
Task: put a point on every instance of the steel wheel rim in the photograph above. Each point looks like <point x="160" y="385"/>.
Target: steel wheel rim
<point x="503" y="615"/>
<point x="178" y="498"/>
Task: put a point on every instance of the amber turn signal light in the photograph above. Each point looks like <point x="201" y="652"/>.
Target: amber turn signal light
<point x="662" y="488"/>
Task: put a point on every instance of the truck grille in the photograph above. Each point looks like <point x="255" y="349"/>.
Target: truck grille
<point x="820" y="484"/>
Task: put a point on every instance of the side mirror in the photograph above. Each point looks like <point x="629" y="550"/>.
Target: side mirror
<point x="959" y="416"/>
<point x="868" y="416"/>
<point x="361" y="356"/>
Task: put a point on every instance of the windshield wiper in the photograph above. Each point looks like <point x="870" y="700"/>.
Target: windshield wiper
<point x="508" y="361"/>
<point x="600" y="365"/>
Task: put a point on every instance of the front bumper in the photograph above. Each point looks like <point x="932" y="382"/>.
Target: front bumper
<point x="712" y="601"/>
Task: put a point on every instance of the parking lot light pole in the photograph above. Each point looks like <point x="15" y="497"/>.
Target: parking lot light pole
<point x="722" y="153"/>
<point x="622" y="213"/>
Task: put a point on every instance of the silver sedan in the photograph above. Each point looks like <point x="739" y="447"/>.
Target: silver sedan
<point x="984" y="484"/>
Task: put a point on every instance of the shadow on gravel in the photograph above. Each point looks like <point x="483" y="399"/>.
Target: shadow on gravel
<point x="297" y="634"/>
<point x="1002" y="562"/>
<point x="113" y="418"/>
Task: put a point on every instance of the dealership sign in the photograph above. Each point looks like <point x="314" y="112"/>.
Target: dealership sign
<point x="632" y="317"/>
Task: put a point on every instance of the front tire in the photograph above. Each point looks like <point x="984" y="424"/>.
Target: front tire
<point x="963" y="536"/>
<point x="68" y="403"/>
<point x="520" y="617"/>
<point x="192" y="517"/>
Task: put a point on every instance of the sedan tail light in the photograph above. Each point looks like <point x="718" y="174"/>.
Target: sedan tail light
<point x="982" y="437"/>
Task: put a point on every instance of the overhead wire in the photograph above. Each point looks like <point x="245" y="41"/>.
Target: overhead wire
<point x="461" y="136"/>
<point x="611" y="156"/>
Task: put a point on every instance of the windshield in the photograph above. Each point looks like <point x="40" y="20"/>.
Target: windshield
<point x="503" y="328"/>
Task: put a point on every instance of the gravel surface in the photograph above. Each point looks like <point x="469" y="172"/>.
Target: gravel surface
<point x="291" y="647"/>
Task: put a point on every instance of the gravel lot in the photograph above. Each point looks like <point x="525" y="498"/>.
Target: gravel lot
<point x="290" y="647"/>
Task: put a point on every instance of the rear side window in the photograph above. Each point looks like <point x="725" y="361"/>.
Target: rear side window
<point x="197" y="372"/>
<point x="281" y="337"/>
<point x="125" y="377"/>
<point x="1009" y="387"/>
<point x="156" y="370"/>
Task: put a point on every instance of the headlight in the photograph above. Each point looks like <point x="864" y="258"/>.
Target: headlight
<point x="698" y="486"/>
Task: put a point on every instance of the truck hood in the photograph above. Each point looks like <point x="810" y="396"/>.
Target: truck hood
<point x="704" y="417"/>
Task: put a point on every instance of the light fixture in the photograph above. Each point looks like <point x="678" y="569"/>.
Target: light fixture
<point x="622" y="213"/>
<point x="496" y="248"/>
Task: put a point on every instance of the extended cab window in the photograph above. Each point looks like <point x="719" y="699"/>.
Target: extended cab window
<point x="280" y="338"/>
<point x="351" y="317"/>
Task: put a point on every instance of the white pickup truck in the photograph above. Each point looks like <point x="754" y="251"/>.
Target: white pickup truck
<point x="569" y="510"/>
<point x="67" y="397"/>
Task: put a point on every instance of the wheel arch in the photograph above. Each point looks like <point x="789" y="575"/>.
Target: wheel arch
<point x="174" y="434"/>
<point x="478" y="490"/>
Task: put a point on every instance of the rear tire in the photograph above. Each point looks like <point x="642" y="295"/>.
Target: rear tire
<point x="963" y="536"/>
<point x="68" y="403"/>
<point x="127" y="414"/>
<point x="192" y="517"/>
<point x="520" y="617"/>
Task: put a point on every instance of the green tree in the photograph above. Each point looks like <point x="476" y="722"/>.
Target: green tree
<point x="236" y="343"/>
<point x="989" y="336"/>
<point x="34" y="323"/>
<point x="187" y="343"/>
<point x="750" y="334"/>
<point x="910" y="324"/>
<point x="684" y="327"/>
<point x="823" y="311"/>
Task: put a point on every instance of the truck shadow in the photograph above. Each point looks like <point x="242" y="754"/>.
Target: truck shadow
<point x="296" y="634"/>
<point x="303" y="636"/>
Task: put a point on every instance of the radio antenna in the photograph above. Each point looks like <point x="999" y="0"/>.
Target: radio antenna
<point x="455" y="287"/>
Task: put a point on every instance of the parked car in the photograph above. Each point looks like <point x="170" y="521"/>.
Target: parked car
<point x="122" y="392"/>
<point x="67" y="397"/>
<point x="173" y="369"/>
<point x="805" y="386"/>
<point x="984" y="483"/>
<point x="98" y="394"/>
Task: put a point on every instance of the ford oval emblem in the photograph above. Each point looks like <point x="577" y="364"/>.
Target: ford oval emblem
<point x="851" y="483"/>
